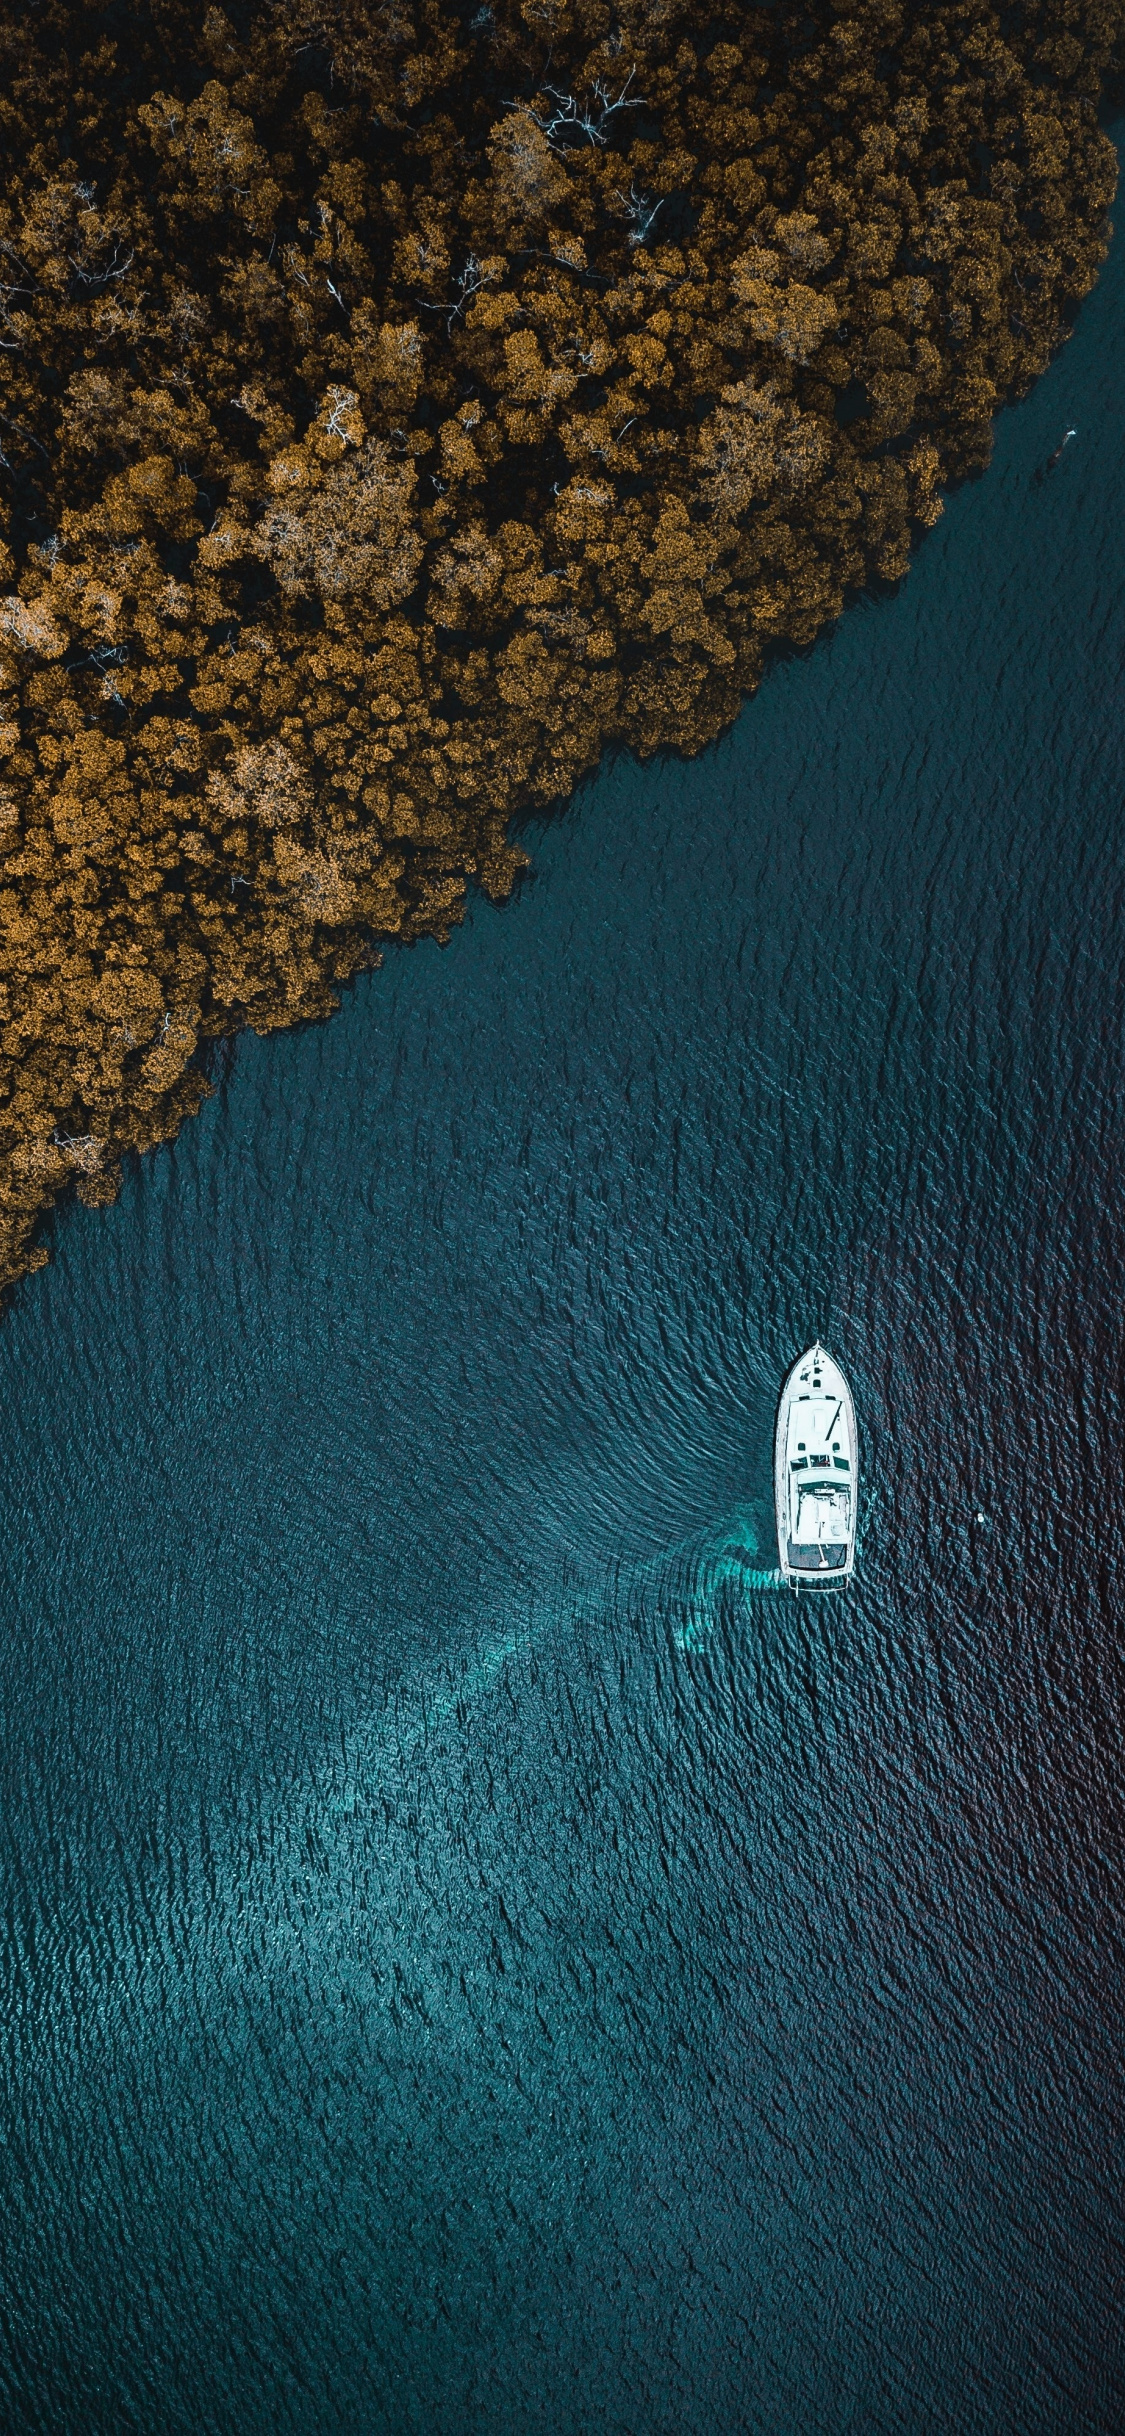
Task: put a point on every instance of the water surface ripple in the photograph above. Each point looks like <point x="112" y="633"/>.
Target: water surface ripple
<point x="476" y="1955"/>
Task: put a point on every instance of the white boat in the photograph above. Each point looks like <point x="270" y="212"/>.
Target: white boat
<point x="816" y="1473"/>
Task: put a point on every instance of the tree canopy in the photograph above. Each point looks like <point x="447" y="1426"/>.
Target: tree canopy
<point x="401" y="400"/>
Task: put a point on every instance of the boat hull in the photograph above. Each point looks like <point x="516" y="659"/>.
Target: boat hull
<point x="816" y="1474"/>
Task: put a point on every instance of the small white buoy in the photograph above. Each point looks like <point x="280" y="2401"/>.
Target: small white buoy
<point x="982" y="1518"/>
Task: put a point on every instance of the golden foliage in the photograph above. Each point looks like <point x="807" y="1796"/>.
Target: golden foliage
<point x="399" y="404"/>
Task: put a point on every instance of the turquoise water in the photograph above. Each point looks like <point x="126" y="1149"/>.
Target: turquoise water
<point x="478" y="1955"/>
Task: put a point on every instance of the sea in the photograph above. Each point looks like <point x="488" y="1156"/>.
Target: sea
<point x="479" y="1954"/>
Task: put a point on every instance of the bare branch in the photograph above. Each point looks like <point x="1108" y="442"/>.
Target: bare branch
<point x="641" y="212"/>
<point x="588" y="119"/>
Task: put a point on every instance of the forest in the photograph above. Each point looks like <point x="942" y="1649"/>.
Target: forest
<point x="402" y="403"/>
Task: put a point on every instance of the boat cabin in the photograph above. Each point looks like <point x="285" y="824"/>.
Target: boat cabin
<point x="820" y="1496"/>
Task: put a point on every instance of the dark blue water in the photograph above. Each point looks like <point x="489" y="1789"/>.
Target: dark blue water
<point x="475" y="1956"/>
